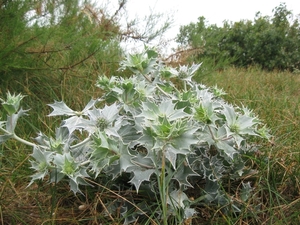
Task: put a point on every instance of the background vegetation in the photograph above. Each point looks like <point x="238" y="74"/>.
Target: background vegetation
<point x="268" y="42"/>
<point x="58" y="50"/>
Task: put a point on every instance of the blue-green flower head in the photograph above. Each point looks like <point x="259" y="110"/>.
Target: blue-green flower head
<point x="66" y="164"/>
<point x="12" y="103"/>
<point x="186" y="73"/>
<point x="105" y="120"/>
<point x="41" y="163"/>
<point x="143" y="62"/>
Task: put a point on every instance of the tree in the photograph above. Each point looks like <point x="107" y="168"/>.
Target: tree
<point x="270" y="42"/>
<point x="49" y="46"/>
<point x="53" y="37"/>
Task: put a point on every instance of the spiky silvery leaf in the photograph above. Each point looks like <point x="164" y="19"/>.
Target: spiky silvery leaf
<point x="104" y="152"/>
<point x="76" y="121"/>
<point x="61" y="109"/>
<point x="140" y="175"/>
<point x="239" y="124"/>
<point x="5" y="137"/>
<point x="42" y="163"/>
<point x="13" y="119"/>
<point x="66" y="166"/>
<point x="177" y="199"/>
<point x="183" y="172"/>
<point x="246" y="191"/>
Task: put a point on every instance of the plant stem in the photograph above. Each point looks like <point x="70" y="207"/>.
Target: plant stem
<point x="163" y="188"/>
<point x="13" y="135"/>
<point x="212" y="135"/>
<point x="158" y="87"/>
<point x="5" y="131"/>
<point x="84" y="163"/>
<point x="16" y="137"/>
<point x="162" y="91"/>
<point x="23" y="141"/>
<point x="81" y="143"/>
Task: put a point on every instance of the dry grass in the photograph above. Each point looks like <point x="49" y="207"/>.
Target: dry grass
<point x="275" y="98"/>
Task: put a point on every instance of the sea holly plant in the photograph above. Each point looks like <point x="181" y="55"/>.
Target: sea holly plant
<point x="147" y="134"/>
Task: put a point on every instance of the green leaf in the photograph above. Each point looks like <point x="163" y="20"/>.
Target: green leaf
<point x="61" y="109"/>
<point x="189" y="212"/>
<point x="78" y="180"/>
<point x="5" y="137"/>
<point x="206" y="112"/>
<point x="125" y="158"/>
<point x="246" y="125"/>
<point x="229" y="150"/>
<point x="246" y="191"/>
<point x="129" y="134"/>
<point x="177" y="199"/>
<point x="148" y="138"/>
<point x="75" y="123"/>
<point x="104" y="152"/>
<point x="151" y="53"/>
<point x="140" y="175"/>
<point x="65" y="163"/>
<point x="62" y="141"/>
<point x="213" y="168"/>
<point x="41" y="163"/>
<point x="171" y="154"/>
<point x="167" y="108"/>
<point x="230" y="114"/>
<point x="185" y="140"/>
<point x="12" y="103"/>
<point x="186" y="73"/>
<point x="142" y="161"/>
<point x="152" y="111"/>
<point x="239" y="124"/>
<point x="183" y="172"/>
<point x="105" y="120"/>
<point x="13" y="119"/>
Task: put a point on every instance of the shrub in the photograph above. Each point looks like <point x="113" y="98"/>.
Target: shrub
<point x="147" y="134"/>
<point x="270" y="42"/>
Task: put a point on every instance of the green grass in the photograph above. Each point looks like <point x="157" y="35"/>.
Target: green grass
<point x="274" y="97"/>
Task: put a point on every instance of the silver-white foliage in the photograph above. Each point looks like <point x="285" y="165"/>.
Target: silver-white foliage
<point x="147" y="128"/>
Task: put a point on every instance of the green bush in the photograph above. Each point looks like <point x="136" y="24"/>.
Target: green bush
<point x="146" y="134"/>
<point x="271" y="43"/>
